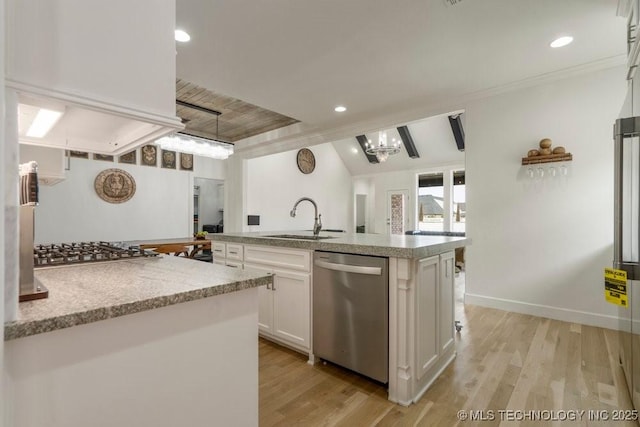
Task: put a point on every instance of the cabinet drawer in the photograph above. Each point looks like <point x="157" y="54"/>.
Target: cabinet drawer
<point x="234" y="251"/>
<point x="218" y="249"/>
<point x="289" y="259"/>
<point x="234" y="264"/>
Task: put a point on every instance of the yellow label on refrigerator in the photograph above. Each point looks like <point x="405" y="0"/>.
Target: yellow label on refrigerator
<point x="615" y="287"/>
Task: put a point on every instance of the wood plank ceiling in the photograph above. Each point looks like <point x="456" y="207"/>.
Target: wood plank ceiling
<point x="238" y="119"/>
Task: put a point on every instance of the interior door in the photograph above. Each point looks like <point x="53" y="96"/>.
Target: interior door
<point x="397" y="212"/>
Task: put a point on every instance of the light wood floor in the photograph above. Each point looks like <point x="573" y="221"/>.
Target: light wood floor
<point x="505" y="361"/>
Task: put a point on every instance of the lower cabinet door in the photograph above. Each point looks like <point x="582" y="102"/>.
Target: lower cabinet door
<point x="427" y="348"/>
<point x="265" y="302"/>
<point x="446" y="312"/>
<point x="291" y="307"/>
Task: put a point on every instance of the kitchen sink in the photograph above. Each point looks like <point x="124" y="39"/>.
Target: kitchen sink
<point x="300" y="236"/>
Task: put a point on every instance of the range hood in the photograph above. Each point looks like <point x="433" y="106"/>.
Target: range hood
<point x="91" y="126"/>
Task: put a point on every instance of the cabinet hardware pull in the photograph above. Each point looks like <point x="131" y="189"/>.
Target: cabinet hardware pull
<point x="375" y="271"/>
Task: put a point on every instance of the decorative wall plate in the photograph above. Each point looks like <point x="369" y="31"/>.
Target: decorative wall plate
<point x="115" y="185"/>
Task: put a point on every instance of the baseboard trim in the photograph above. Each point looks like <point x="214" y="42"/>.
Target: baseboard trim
<point x="434" y="377"/>
<point x="556" y="313"/>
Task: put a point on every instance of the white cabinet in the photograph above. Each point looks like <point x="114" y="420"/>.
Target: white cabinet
<point x="284" y="313"/>
<point x="446" y="318"/>
<point x="219" y="251"/>
<point x="292" y="308"/>
<point x="434" y="311"/>
<point x="229" y="254"/>
<point x="51" y="162"/>
<point x="234" y="252"/>
<point x="116" y="88"/>
<point x="427" y="314"/>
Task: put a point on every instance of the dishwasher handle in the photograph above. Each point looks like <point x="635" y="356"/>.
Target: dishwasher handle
<point x="374" y="271"/>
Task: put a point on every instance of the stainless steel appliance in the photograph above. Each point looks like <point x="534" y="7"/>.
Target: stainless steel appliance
<point x="351" y="312"/>
<point x="30" y="288"/>
<point x="84" y="252"/>
<point x="627" y="245"/>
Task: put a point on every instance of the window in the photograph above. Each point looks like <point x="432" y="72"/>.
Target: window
<point x="459" y="213"/>
<point x="431" y="202"/>
<point x="442" y="201"/>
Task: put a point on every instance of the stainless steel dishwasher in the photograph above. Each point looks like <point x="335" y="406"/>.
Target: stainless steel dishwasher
<point x="351" y="312"/>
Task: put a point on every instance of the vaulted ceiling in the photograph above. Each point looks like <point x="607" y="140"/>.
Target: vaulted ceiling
<point x="389" y="63"/>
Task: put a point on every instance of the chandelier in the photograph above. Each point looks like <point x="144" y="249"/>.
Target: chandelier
<point x="191" y="144"/>
<point x="382" y="149"/>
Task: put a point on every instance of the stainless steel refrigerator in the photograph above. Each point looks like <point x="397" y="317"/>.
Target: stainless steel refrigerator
<point x="627" y="243"/>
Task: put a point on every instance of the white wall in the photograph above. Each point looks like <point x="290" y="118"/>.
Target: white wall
<point x="2" y="208"/>
<point x="162" y="206"/>
<point x="540" y="246"/>
<point x="274" y="183"/>
<point x="11" y="202"/>
<point x="376" y="187"/>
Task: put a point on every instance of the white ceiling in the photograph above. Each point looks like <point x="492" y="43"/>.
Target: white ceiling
<point x="433" y="140"/>
<point x="381" y="58"/>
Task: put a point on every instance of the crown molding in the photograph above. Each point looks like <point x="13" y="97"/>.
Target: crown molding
<point x="301" y="135"/>
<point x="624" y="7"/>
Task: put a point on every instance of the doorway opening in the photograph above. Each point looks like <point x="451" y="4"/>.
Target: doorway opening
<point x="397" y="212"/>
<point x="208" y="205"/>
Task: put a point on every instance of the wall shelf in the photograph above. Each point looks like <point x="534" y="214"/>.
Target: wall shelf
<point x="565" y="157"/>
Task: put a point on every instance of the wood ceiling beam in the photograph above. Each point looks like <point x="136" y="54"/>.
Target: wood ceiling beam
<point x="458" y="132"/>
<point x="362" y="140"/>
<point x="408" y="143"/>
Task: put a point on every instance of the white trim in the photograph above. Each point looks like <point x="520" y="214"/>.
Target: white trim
<point x="435" y="377"/>
<point x="98" y="105"/>
<point x="557" y="313"/>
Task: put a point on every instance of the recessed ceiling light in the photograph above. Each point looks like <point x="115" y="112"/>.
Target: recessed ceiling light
<point x="182" y="36"/>
<point x="340" y="109"/>
<point x="354" y="150"/>
<point x="561" y="41"/>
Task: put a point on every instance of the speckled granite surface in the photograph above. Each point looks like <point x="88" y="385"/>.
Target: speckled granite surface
<point x="81" y="294"/>
<point x="400" y="246"/>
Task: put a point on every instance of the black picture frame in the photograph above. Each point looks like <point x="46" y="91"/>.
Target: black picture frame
<point x="168" y="159"/>
<point x="103" y="157"/>
<point x="78" y="154"/>
<point x="128" y="158"/>
<point x="186" y="162"/>
<point x="149" y="155"/>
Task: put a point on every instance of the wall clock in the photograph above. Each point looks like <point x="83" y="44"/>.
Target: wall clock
<point x="306" y="161"/>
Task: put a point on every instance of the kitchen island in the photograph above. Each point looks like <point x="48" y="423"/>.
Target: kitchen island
<point x="421" y="281"/>
<point x="160" y="341"/>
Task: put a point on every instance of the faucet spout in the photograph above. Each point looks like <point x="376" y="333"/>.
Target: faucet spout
<point x="317" y="224"/>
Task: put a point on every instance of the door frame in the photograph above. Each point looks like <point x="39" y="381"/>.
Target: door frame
<point x="405" y="213"/>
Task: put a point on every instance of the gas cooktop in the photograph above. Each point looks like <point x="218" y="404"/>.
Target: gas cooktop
<point x="84" y="252"/>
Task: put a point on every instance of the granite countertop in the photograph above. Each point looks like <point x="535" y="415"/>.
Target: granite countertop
<point x="80" y="294"/>
<point x="400" y="246"/>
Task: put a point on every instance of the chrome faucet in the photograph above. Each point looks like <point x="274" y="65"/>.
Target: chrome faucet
<point x="317" y="225"/>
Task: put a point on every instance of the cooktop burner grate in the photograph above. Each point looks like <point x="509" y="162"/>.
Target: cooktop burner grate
<point x="84" y="252"/>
